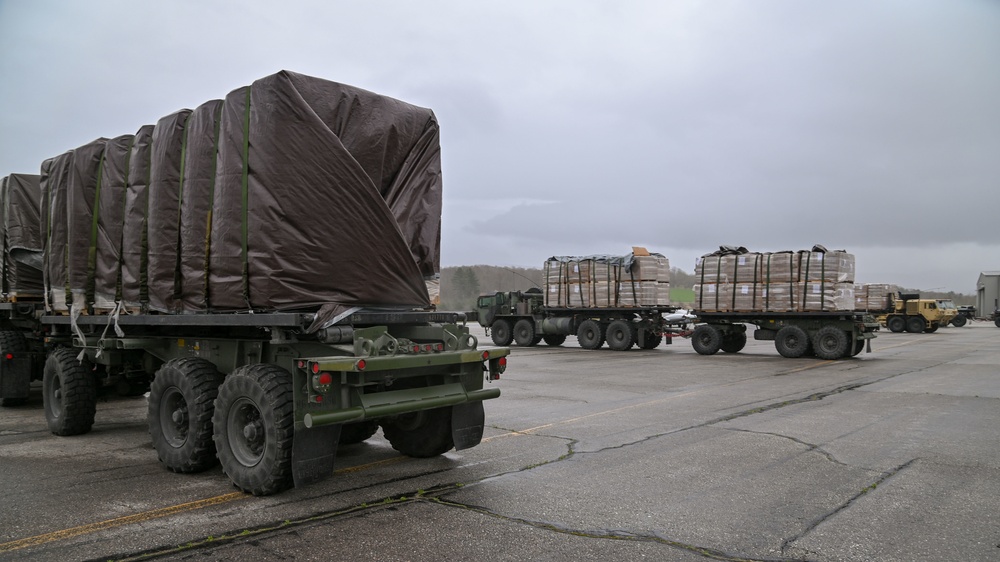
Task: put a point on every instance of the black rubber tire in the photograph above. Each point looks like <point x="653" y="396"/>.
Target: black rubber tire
<point x="254" y="422"/>
<point x="916" y="324"/>
<point x="996" y="322"/>
<point x="734" y="342"/>
<point x="12" y="341"/>
<point x="651" y="340"/>
<point x="181" y="405"/>
<point x="352" y="433"/>
<point x="896" y="324"/>
<point x="830" y="342"/>
<point x="859" y="346"/>
<point x="959" y="321"/>
<point x="706" y="339"/>
<point x="501" y="333"/>
<point x="554" y="339"/>
<point x="620" y="335"/>
<point x="590" y="334"/>
<point x="422" y="434"/>
<point x="70" y="393"/>
<point x="524" y="333"/>
<point x="791" y="342"/>
<point x="932" y="328"/>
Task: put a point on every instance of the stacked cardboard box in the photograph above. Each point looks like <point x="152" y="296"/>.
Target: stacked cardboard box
<point x="639" y="279"/>
<point x="737" y="280"/>
<point x="874" y="296"/>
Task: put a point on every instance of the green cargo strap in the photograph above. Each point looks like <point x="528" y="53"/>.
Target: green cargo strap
<point x="245" y="199"/>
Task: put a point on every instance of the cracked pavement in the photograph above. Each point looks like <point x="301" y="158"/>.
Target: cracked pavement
<point x="602" y="455"/>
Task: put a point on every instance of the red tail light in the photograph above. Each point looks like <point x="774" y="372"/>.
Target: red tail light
<point x="325" y="379"/>
<point x="9" y="356"/>
<point x="486" y="355"/>
<point x="315" y="368"/>
<point x="360" y="365"/>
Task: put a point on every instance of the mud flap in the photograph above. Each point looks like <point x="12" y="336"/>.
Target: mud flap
<point x="467" y="424"/>
<point x="313" y="453"/>
<point x="15" y="377"/>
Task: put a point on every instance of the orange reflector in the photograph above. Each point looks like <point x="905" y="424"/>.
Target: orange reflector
<point x="325" y="378"/>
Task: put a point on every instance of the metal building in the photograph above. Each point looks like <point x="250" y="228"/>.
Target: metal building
<point x="988" y="292"/>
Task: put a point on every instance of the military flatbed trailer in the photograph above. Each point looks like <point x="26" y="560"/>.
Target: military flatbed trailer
<point x="259" y="393"/>
<point x="827" y="335"/>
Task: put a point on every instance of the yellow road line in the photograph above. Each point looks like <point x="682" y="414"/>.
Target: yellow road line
<point x="118" y="522"/>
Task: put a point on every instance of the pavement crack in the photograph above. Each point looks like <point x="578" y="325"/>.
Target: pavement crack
<point x="787" y="543"/>
<point x="604" y="534"/>
<point x="810" y="447"/>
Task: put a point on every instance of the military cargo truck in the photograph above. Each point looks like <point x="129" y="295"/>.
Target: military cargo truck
<point x="620" y="300"/>
<point x="910" y="313"/>
<point x="269" y="280"/>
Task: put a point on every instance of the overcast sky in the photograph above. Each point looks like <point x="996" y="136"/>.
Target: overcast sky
<point x="575" y="128"/>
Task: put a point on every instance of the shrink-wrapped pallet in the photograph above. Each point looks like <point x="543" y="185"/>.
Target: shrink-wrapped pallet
<point x="20" y="195"/>
<point x="779" y="267"/>
<point x="134" y="256"/>
<point x="607" y="281"/>
<point x="776" y="297"/>
<point x="874" y="296"/>
<point x="819" y="296"/>
<point x="835" y="266"/>
<point x="110" y="220"/>
<point x="166" y="166"/>
<point x="651" y="268"/>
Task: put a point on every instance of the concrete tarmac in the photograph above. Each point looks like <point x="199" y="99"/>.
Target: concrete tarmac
<point x="588" y="455"/>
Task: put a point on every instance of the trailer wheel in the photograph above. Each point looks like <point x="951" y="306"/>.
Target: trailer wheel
<point x="620" y="336"/>
<point x="916" y="324"/>
<point x="501" y="332"/>
<point x="706" y="339"/>
<point x="254" y="423"/>
<point x="932" y="328"/>
<point x="422" y="434"/>
<point x="791" y="342"/>
<point x="181" y="405"/>
<point x="524" y="333"/>
<point x="351" y="433"/>
<point x="12" y="341"/>
<point x="554" y="339"/>
<point x="651" y="340"/>
<point x="830" y="342"/>
<point x="734" y="342"/>
<point x="590" y="334"/>
<point x="896" y="324"/>
<point x="859" y="345"/>
<point x="69" y="392"/>
<point x="959" y="321"/>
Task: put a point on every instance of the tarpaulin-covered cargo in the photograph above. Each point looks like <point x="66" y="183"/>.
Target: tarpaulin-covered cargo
<point x="81" y="237"/>
<point x="201" y="145"/>
<point x="166" y="168"/>
<point x="325" y="193"/>
<point x="638" y="279"/>
<point x="55" y="185"/>
<point x="110" y="221"/>
<point x="733" y="279"/>
<point x="134" y="291"/>
<point x="20" y="196"/>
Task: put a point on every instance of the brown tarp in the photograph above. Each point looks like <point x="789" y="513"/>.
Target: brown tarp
<point x="110" y="215"/>
<point x="326" y="194"/>
<point x="22" y="240"/>
<point x="196" y="203"/>
<point x="55" y="188"/>
<point x="134" y="228"/>
<point x="163" y="210"/>
<point x="81" y="203"/>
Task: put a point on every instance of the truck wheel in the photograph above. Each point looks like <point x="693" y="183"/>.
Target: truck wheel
<point x="524" y="333"/>
<point x="859" y="345"/>
<point x="916" y="324"/>
<point x="352" y="433"/>
<point x="254" y="423"/>
<point x="959" y="321"/>
<point x="706" y="339"/>
<point x="651" y="340"/>
<point x="997" y="321"/>
<point x="501" y="332"/>
<point x="791" y="342"/>
<point x="69" y="392"/>
<point x="554" y="339"/>
<point x="932" y="328"/>
<point x="12" y="341"/>
<point x="734" y="342"/>
<point x="590" y="334"/>
<point x="830" y="343"/>
<point x="422" y="434"/>
<point x="181" y="404"/>
<point x="896" y="324"/>
<point x="620" y="336"/>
